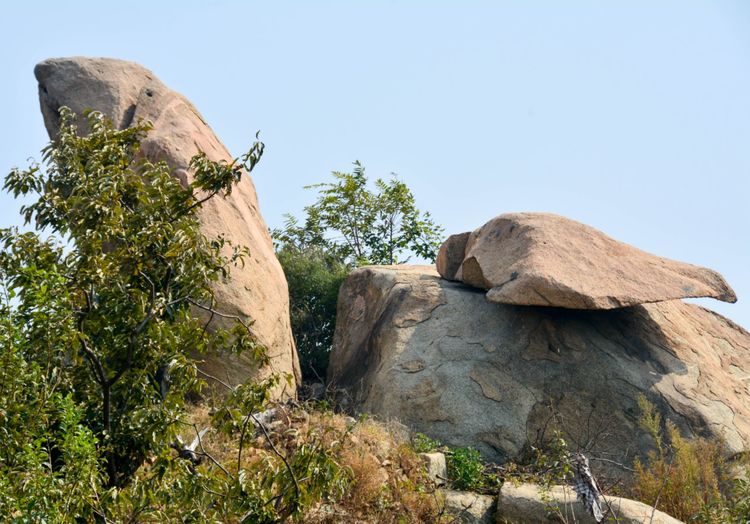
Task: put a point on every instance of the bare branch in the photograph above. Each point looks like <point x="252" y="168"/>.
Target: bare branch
<point x="224" y="315"/>
<point x="614" y="462"/>
<point x="218" y="380"/>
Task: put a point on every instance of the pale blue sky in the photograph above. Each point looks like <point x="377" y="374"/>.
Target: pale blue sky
<point x="633" y="117"/>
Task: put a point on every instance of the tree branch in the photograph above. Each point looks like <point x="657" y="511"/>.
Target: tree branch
<point x="207" y="454"/>
<point x="224" y="315"/>
<point x="230" y="388"/>
<point x="278" y="453"/>
<point x="242" y="441"/>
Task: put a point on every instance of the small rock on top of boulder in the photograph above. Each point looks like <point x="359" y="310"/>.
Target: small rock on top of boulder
<point x="542" y="259"/>
<point x="451" y="255"/>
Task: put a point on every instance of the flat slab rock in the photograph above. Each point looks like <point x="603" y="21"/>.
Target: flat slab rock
<point x="127" y="93"/>
<point x="541" y="259"/>
<point x="440" y="358"/>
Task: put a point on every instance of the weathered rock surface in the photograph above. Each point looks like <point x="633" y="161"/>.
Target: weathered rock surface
<point x="436" y="467"/>
<point x="128" y="93"/>
<point x="541" y="259"/>
<point x="467" y="507"/>
<point x="528" y="503"/>
<point x="440" y="358"/>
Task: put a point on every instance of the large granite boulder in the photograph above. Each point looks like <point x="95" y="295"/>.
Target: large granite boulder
<point x="541" y="259"/>
<point x="128" y="93"/>
<point x="440" y="358"/>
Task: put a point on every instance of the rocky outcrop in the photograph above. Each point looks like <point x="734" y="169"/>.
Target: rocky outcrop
<point x="541" y="259"/>
<point x="531" y="503"/>
<point x="467" y="507"/>
<point x="128" y="93"/>
<point x="439" y="357"/>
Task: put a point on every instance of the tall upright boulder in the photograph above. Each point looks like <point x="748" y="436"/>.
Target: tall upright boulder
<point x="128" y="93"/>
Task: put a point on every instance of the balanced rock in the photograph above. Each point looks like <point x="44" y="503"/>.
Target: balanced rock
<point x="541" y="259"/>
<point x="128" y="93"/>
<point x="440" y="358"/>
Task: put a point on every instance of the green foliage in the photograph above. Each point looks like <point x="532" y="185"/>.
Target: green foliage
<point x="314" y="279"/>
<point x="465" y="468"/>
<point x="109" y="317"/>
<point x="49" y="462"/>
<point x="421" y="443"/>
<point x="358" y="226"/>
<point x="349" y="225"/>
<point x="650" y="421"/>
<point x="546" y="462"/>
<point x="97" y="342"/>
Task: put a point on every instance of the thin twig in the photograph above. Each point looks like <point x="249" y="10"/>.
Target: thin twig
<point x="211" y="318"/>
<point x="242" y="441"/>
<point x="224" y="315"/>
<point x="230" y="388"/>
<point x="661" y="488"/>
<point x="194" y="205"/>
<point x="610" y="461"/>
<point x="207" y="454"/>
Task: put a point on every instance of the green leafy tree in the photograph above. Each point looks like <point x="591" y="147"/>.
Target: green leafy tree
<point x="359" y="226"/>
<point x="349" y="225"/>
<point x="102" y="310"/>
<point x="97" y="337"/>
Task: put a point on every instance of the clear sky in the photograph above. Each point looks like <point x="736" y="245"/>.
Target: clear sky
<point x="631" y="116"/>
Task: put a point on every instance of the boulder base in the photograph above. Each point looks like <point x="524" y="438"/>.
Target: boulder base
<point x="467" y="507"/>
<point x="440" y="358"/>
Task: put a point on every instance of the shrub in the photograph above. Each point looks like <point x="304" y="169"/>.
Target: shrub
<point x="421" y="443"/>
<point x="687" y="479"/>
<point x="465" y="468"/>
<point x="349" y="225"/>
<point x="359" y="226"/>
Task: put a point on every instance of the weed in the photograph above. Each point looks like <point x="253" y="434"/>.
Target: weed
<point x="424" y="444"/>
